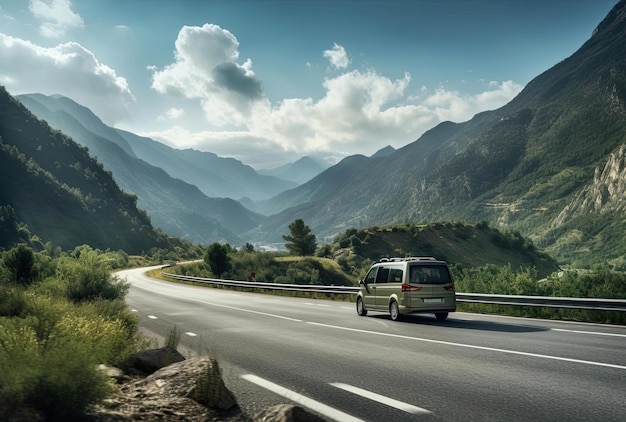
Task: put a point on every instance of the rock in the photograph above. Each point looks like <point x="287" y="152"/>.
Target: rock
<point x="148" y="361"/>
<point x="112" y="372"/>
<point x="210" y="389"/>
<point x="286" y="413"/>
<point x="170" y="394"/>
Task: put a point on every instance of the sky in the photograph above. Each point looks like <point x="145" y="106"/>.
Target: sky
<point x="269" y="81"/>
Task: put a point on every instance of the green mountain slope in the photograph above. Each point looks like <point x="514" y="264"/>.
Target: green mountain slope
<point x="61" y="193"/>
<point x="521" y="167"/>
<point x="178" y="208"/>
<point x="460" y="244"/>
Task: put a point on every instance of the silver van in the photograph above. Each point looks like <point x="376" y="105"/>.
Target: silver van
<point x="407" y="285"/>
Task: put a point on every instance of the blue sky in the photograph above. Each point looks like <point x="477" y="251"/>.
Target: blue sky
<point x="268" y="81"/>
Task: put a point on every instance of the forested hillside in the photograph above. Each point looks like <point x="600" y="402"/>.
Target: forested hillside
<point x="178" y="208"/>
<point x="53" y="189"/>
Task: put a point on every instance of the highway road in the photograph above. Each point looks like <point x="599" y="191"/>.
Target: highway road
<point x="323" y="356"/>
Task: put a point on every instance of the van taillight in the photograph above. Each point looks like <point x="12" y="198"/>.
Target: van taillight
<point x="409" y="288"/>
<point x="450" y="287"/>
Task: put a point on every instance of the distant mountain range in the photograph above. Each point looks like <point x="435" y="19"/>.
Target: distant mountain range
<point x="551" y="165"/>
<point x="300" y="171"/>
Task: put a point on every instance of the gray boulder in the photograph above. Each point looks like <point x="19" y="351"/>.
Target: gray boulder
<point x="148" y="361"/>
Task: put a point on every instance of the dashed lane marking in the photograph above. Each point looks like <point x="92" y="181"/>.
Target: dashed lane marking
<point x="314" y="405"/>
<point x="153" y="317"/>
<point x="596" y="333"/>
<point x="409" y="408"/>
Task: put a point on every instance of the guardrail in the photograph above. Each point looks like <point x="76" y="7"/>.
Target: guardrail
<point x="490" y="299"/>
<point x="318" y="288"/>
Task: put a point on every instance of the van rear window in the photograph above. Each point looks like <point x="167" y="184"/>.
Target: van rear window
<point x="429" y="274"/>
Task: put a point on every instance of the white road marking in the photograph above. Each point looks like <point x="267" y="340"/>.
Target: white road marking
<point x="190" y="334"/>
<point x="153" y="317"/>
<point x="314" y="405"/>
<point x="470" y="346"/>
<point x="321" y="305"/>
<point x="596" y="333"/>
<point x="409" y="408"/>
<point x="247" y="310"/>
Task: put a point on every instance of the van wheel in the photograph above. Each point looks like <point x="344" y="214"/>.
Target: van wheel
<point x="394" y="311"/>
<point x="441" y="316"/>
<point x="360" y="307"/>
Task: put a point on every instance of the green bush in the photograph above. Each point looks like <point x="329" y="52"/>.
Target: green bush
<point x="56" y="330"/>
<point x="88" y="277"/>
<point x="12" y="300"/>
<point x="53" y="377"/>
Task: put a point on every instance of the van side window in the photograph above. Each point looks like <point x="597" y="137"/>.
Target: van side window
<point x="395" y="275"/>
<point x="371" y="276"/>
<point x="383" y="275"/>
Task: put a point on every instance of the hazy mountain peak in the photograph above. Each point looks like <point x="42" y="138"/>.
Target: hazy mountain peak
<point x="300" y="171"/>
<point x="383" y="152"/>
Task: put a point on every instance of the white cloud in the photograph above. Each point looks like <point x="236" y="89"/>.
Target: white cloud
<point x="171" y="114"/>
<point x="56" y="16"/>
<point x="338" y="57"/>
<point x="360" y="112"/>
<point x="68" y="69"/>
<point x="457" y="107"/>
<point x="206" y="68"/>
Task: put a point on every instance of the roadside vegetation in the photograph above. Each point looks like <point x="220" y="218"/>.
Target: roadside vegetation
<point x="61" y="315"/>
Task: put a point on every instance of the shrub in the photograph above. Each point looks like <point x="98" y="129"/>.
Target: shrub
<point x="12" y="300"/>
<point x="108" y="341"/>
<point x="88" y="278"/>
<point x="47" y="379"/>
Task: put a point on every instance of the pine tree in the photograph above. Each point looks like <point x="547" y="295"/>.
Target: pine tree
<point x="300" y="241"/>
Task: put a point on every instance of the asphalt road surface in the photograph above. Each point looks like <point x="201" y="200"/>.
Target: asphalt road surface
<point x="323" y="356"/>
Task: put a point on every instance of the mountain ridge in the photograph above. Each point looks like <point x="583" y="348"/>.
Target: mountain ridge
<point x="516" y="167"/>
<point x="178" y="208"/>
<point x="61" y="193"/>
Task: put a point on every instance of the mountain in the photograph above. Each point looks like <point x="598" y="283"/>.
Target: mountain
<point x="383" y="152"/>
<point x="299" y="171"/>
<point x="64" y="196"/>
<point x="178" y="208"/>
<point x="215" y="176"/>
<point x="525" y="167"/>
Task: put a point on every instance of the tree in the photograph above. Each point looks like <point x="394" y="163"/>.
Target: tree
<point x="20" y="261"/>
<point x="217" y="258"/>
<point x="300" y="241"/>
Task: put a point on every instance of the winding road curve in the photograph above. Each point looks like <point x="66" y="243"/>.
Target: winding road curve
<point x="323" y="356"/>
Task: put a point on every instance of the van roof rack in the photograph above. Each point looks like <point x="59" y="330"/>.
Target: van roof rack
<point x="408" y="258"/>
